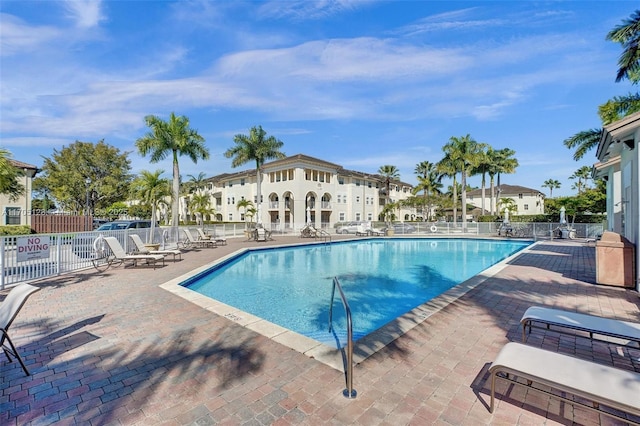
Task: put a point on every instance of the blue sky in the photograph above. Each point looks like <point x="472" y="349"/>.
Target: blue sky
<point x="361" y="84"/>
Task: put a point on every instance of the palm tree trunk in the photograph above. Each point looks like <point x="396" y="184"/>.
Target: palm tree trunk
<point x="464" y="200"/>
<point x="493" y="196"/>
<point x="455" y="201"/>
<point x="176" y="191"/>
<point x="259" y="191"/>
<point x="484" y="184"/>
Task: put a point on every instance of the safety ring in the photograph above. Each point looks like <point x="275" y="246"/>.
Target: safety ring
<point x="98" y="246"/>
<point x="434" y="229"/>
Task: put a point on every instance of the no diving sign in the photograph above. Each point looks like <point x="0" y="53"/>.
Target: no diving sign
<point x="30" y="248"/>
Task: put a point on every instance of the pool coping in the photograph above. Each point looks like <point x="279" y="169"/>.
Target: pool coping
<point x="332" y="357"/>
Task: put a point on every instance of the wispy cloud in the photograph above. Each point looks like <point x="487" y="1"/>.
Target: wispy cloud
<point x="308" y="10"/>
<point x="20" y="37"/>
<point x="85" y="13"/>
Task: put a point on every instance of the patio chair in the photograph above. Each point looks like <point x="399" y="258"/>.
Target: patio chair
<point x="361" y="231"/>
<point x="261" y="234"/>
<point x="119" y="255"/>
<point x="142" y="249"/>
<point x="191" y="241"/>
<point x="211" y="237"/>
<point x="9" y="309"/>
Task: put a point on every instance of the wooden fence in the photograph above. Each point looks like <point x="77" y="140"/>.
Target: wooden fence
<point x="59" y="223"/>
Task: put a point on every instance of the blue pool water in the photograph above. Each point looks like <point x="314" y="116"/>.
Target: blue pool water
<point x="382" y="280"/>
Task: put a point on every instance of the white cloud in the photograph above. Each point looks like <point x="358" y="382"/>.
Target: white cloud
<point x="20" y="37"/>
<point x="85" y="13"/>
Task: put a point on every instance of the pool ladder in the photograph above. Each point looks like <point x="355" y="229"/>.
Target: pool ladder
<point x="349" y="392"/>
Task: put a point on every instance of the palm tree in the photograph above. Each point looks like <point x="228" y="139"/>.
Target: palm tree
<point x="551" y="184"/>
<point x="628" y="35"/>
<point x="175" y="138"/>
<point x="508" y="204"/>
<point x="201" y="205"/>
<point x="196" y="183"/>
<point x="482" y="168"/>
<point x="448" y="167"/>
<point x="255" y="147"/>
<point x="388" y="173"/>
<point x="245" y="204"/>
<point x="151" y="189"/>
<point x="430" y="183"/>
<point x="583" y="174"/>
<point x="466" y="152"/>
<point x="504" y="162"/>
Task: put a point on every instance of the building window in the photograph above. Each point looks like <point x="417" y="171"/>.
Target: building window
<point x="233" y="200"/>
<point x="520" y="196"/>
<point x="230" y="184"/>
<point x="341" y="217"/>
<point x="369" y="217"/>
<point x="357" y="182"/>
<point x="340" y="181"/>
<point x="230" y="217"/>
<point x="358" y="217"/>
<point x="12" y="216"/>
<point x="526" y="206"/>
<point x="241" y="182"/>
<point x="357" y="199"/>
<point x="228" y="200"/>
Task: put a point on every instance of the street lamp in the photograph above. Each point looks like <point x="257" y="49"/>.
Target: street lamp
<point x="87" y="181"/>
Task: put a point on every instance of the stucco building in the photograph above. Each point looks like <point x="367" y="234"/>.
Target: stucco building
<point x="528" y="201"/>
<point x="300" y="189"/>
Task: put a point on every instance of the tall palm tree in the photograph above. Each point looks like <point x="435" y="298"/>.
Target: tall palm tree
<point x="430" y="183"/>
<point x="467" y="153"/>
<point x="628" y="35"/>
<point x="255" y="147"/>
<point x="551" y="184"/>
<point x="448" y="167"/>
<point x="151" y="189"/>
<point x="196" y="183"/>
<point x="175" y="138"/>
<point x="582" y="175"/>
<point x="482" y="168"/>
<point x="504" y="162"/>
<point x="388" y="174"/>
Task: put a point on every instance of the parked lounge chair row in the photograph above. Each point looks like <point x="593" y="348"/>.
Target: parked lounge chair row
<point x="596" y="383"/>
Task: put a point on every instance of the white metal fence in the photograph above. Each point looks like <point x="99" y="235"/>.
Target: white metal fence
<point x="74" y="251"/>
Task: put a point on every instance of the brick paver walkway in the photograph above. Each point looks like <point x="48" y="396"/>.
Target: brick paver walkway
<point x="113" y="348"/>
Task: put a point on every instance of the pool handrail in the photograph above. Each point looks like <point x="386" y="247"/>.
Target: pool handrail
<point x="349" y="392"/>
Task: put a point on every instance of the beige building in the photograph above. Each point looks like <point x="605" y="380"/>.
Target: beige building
<point x="18" y="211"/>
<point x="301" y="189"/>
<point x="527" y="201"/>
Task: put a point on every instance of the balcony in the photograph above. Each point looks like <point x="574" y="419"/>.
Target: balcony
<point x="325" y="205"/>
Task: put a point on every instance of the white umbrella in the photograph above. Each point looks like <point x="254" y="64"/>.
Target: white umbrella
<point x="563" y="220"/>
<point x="308" y="215"/>
<point x="506" y="216"/>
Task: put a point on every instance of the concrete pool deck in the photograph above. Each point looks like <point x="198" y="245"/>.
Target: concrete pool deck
<point x="114" y="348"/>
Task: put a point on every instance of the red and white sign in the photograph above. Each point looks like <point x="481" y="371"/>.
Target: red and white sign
<point x="30" y="248"/>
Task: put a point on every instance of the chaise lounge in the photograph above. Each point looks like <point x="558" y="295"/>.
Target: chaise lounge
<point x="591" y="324"/>
<point x="119" y="255"/>
<point x="142" y="249"/>
<point x="596" y="383"/>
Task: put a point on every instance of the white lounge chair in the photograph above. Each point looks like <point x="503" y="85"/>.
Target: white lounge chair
<point x="261" y="234"/>
<point x="142" y="249"/>
<point x="9" y="310"/>
<point x="119" y="255"/>
<point x="192" y="241"/>
<point x="212" y="237"/>
<point x="592" y="324"/>
<point x="600" y="384"/>
<point x="361" y="231"/>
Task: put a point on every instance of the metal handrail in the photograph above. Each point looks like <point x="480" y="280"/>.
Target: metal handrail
<point x="349" y="392"/>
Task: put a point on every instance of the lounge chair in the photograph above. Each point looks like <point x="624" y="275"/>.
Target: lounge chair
<point x="9" y="309"/>
<point x="119" y="255"/>
<point x="261" y="234"/>
<point x="142" y="249"/>
<point x="597" y="383"/>
<point x="592" y="324"/>
<point x="361" y="231"/>
<point x="372" y="231"/>
<point x="212" y="237"/>
<point x="191" y="241"/>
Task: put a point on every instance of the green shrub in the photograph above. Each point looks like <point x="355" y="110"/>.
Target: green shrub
<point x="15" y="230"/>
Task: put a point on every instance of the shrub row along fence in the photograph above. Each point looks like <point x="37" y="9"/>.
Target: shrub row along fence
<point x="36" y="256"/>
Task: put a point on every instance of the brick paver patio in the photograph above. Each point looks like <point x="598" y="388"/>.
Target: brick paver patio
<point x="113" y="348"/>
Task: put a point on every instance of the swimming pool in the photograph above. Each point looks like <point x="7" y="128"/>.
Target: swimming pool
<point x="382" y="280"/>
